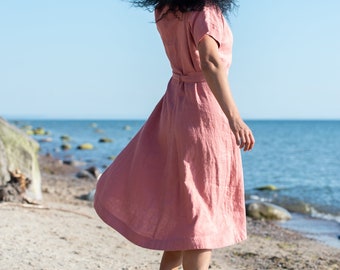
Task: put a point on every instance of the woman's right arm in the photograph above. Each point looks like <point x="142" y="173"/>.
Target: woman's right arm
<point x="216" y="77"/>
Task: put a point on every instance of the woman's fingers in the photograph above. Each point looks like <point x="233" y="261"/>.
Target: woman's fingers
<point x="245" y="139"/>
<point x="249" y="141"/>
<point x="238" y="139"/>
<point x="243" y="135"/>
<point x="252" y="141"/>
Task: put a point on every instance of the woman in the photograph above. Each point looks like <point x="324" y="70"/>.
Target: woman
<point x="178" y="185"/>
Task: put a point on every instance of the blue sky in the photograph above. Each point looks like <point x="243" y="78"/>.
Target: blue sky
<point x="104" y="59"/>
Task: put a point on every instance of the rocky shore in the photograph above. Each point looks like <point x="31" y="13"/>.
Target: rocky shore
<point x="65" y="233"/>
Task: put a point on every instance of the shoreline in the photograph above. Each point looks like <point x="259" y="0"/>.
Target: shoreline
<point x="287" y="195"/>
<point x="324" y="231"/>
<point x="65" y="233"/>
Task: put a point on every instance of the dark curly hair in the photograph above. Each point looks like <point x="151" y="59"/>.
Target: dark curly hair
<point x="185" y="5"/>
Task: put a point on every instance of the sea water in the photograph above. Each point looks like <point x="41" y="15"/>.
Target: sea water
<point x="300" y="158"/>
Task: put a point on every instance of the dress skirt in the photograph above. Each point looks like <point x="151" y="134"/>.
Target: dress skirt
<point x="178" y="184"/>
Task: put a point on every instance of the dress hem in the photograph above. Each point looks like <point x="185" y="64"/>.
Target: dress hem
<point x="157" y="244"/>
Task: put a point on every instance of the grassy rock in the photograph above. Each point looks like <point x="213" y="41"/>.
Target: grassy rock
<point x="19" y="151"/>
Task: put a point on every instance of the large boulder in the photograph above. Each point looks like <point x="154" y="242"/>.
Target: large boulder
<point x="266" y="211"/>
<point x="19" y="152"/>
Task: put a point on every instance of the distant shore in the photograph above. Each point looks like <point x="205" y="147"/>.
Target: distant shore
<point x="65" y="233"/>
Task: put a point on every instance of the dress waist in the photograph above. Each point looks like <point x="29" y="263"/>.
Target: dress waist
<point x="189" y="78"/>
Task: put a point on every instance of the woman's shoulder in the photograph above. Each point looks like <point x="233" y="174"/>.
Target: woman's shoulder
<point x="167" y="14"/>
<point x="209" y="13"/>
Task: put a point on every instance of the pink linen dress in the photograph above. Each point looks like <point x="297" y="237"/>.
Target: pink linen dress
<point x="178" y="185"/>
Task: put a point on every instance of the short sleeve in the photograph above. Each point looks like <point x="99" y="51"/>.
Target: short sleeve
<point x="209" y="21"/>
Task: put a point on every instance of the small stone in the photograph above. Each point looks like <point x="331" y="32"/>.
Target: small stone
<point x="65" y="138"/>
<point x="65" y="146"/>
<point x="84" y="174"/>
<point x="85" y="146"/>
<point x="74" y="163"/>
<point x="89" y="196"/>
<point x="105" y="140"/>
<point x="94" y="171"/>
<point x="39" y="131"/>
<point x="48" y="139"/>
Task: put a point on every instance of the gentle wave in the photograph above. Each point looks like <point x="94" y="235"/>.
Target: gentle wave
<point x="325" y="216"/>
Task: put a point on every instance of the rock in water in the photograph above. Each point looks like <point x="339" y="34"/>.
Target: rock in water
<point x="65" y="146"/>
<point x="268" y="187"/>
<point x="105" y="140"/>
<point x="266" y="211"/>
<point x="85" y="146"/>
<point x="19" y="151"/>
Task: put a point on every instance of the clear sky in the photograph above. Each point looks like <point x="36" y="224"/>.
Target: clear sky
<point x="104" y="59"/>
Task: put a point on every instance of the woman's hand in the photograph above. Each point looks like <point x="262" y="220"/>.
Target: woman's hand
<point x="243" y="134"/>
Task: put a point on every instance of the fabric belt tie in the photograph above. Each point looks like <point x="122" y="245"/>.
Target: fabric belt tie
<point x="189" y="78"/>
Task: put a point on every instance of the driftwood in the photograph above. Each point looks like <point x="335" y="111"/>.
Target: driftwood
<point x="15" y="189"/>
<point x="13" y="193"/>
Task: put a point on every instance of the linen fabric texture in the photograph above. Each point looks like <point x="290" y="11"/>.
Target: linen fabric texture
<point x="178" y="184"/>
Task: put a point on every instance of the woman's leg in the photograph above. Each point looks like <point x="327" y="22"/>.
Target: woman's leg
<point x="171" y="260"/>
<point x="196" y="259"/>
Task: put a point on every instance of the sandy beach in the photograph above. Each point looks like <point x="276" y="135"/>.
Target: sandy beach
<point x="65" y="233"/>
